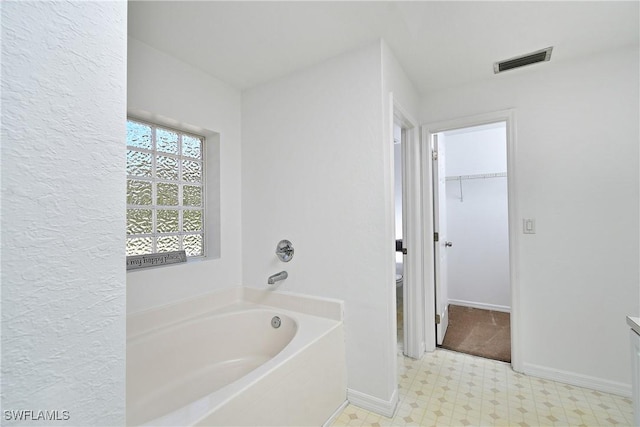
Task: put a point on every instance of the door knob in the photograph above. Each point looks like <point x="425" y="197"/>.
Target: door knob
<point x="448" y="244"/>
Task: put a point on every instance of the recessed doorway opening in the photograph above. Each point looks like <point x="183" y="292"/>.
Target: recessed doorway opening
<point x="408" y="290"/>
<point x="399" y="258"/>
<point x="472" y="254"/>
<point x="472" y="200"/>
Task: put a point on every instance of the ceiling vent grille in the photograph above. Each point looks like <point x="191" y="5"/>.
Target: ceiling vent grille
<point x="523" y="60"/>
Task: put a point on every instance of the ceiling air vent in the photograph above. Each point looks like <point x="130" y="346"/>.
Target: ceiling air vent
<point x="522" y="60"/>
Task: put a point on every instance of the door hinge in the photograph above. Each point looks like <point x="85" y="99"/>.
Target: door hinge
<point x="437" y="319"/>
<point x="436" y="237"/>
<point x="434" y="155"/>
<point x="404" y="251"/>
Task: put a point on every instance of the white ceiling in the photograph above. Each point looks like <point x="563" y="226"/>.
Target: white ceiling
<point x="440" y="44"/>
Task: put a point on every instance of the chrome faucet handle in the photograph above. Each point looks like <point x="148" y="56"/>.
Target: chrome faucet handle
<point x="284" y="250"/>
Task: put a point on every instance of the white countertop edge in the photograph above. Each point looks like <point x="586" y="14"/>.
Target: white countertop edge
<point x="634" y="322"/>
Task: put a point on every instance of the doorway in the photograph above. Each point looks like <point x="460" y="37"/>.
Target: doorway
<point x="472" y="252"/>
<point x="469" y="192"/>
<point x="399" y="233"/>
<point x="409" y="295"/>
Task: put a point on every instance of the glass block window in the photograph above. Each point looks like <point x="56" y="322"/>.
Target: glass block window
<point x="165" y="190"/>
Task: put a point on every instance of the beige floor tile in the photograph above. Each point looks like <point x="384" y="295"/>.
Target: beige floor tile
<point x="453" y="389"/>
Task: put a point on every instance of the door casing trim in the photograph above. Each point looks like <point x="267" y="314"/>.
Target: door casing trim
<point x="414" y="324"/>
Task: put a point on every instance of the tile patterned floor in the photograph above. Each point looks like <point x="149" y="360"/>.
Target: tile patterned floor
<point x="445" y="388"/>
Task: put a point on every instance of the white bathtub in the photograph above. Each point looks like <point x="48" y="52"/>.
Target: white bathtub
<point x="217" y="360"/>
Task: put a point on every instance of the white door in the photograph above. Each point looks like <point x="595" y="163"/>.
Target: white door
<point x="440" y="243"/>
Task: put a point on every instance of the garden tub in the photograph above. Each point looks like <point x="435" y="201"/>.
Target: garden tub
<point x="242" y="356"/>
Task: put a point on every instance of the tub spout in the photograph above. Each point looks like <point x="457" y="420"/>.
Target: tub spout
<point x="277" y="277"/>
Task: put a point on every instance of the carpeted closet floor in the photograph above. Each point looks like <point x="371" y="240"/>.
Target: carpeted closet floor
<point x="483" y="333"/>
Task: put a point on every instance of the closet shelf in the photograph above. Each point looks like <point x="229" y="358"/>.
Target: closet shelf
<point x="478" y="176"/>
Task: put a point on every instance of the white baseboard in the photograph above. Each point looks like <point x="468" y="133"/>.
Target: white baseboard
<point x="481" y="305"/>
<point x="578" y="380"/>
<point x="335" y="414"/>
<point x="383" y="407"/>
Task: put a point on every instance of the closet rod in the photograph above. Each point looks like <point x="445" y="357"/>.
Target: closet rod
<point x="478" y="176"/>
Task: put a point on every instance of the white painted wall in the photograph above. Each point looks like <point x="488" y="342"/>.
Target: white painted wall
<point x="395" y="80"/>
<point x="476" y="150"/>
<point x="577" y="175"/>
<point x="317" y="170"/>
<point x="311" y="144"/>
<point x="477" y="222"/>
<point x="63" y="210"/>
<point x="160" y="85"/>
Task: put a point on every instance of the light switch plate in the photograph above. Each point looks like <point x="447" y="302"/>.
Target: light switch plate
<point x="529" y="226"/>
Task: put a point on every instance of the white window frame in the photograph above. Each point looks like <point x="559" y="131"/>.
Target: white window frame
<point x="154" y="180"/>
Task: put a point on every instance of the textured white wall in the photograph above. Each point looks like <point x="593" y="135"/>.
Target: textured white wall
<point x="478" y="261"/>
<point x="317" y="169"/>
<point x="161" y="85"/>
<point x="577" y="175"/>
<point x="312" y="161"/>
<point x="63" y="212"/>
